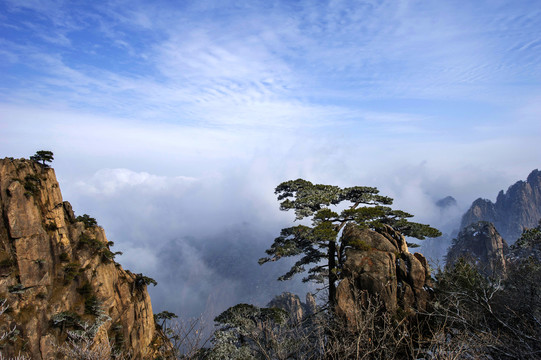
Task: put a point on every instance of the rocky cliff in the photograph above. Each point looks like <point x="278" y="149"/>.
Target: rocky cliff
<point x="481" y="245"/>
<point x="382" y="265"/>
<point x="58" y="274"/>
<point x="292" y="304"/>
<point x="515" y="210"/>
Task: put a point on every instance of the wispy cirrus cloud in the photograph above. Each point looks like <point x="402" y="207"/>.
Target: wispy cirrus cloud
<point x="206" y="57"/>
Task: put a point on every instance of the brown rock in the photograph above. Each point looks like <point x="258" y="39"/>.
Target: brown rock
<point x="373" y="271"/>
<point x="385" y="269"/>
<point x="394" y="236"/>
<point x="515" y="210"/>
<point x="292" y="304"/>
<point x="481" y="245"/>
<point x="356" y="237"/>
<point x="45" y="263"/>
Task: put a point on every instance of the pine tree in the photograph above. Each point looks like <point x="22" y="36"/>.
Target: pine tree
<point x="321" y="249"/>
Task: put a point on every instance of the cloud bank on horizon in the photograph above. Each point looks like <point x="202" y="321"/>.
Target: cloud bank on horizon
<point x="172" y="122"/>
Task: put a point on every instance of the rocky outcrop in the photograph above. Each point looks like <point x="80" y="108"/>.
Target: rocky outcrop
<point x="58" y="274"/>
<point x="514" y="211"/>
<point x="481" y="245"/>
<point x="379" y="264"/>
<point x="291" y="303"/>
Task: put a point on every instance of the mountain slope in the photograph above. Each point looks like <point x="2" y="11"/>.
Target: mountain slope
<point x="515" y="210"/>
<point x="58" y="274"/>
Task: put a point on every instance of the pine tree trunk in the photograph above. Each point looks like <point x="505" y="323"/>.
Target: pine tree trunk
<point x="332" y="275"/>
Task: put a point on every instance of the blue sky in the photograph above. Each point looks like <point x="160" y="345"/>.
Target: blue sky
<point x="177" y="119"/>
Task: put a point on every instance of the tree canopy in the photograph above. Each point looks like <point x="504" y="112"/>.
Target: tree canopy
<point x="43" y="156"/>
<point x="247" y="332"/>
<point x="319" y="246"/>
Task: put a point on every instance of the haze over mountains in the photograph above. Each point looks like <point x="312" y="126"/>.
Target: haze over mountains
<point x="516" y="209"/>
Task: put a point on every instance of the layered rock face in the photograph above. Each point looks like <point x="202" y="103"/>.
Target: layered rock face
<point x="481" y="245"/>
<point x="380" y="264"/>
<point x="292" y="304"/>
<point x="58" y="274"/>
<point x="515" y="210"/>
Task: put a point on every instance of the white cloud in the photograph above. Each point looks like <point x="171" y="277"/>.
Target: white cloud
<point x="110" y="181"/>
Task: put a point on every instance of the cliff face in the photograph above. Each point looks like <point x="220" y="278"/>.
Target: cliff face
<point x="514" y="210"/>
<point x="58" y="274"/>
<point x="382" y="265"/>
<point x="292" y="304"/>
<point x="480" y="244"/>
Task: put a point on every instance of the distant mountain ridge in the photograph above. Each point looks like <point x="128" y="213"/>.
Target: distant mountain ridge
<point x="515" y="210"/>
<point x="481" y="245"/>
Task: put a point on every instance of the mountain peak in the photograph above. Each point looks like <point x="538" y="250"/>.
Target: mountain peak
<point x="515" y="210"/>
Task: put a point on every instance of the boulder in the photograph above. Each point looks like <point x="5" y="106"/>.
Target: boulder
<point x="381" y="267"/>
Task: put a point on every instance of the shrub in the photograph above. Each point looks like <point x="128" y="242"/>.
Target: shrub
<point x="93" y="243"/>
<point x="66" y="319"/>
<point x="71" y="270"/>
<point x="87" y="220"/>
<point x="107" y="255"/>
<point x="360" y="245"/>
<point x="85" y="289"/>
<point x="141" y="280"/>
<point x="31" y="185"/>
<point x="16" y="289"/>
<point x="93" y="306"/>
<point x="43" y="156"/>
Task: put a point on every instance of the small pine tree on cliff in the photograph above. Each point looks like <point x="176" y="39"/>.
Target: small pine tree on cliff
<point x="320" y="243"/>
<point x="43" y="156"/>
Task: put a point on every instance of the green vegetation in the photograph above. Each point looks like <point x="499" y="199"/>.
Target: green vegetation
<point x="98" y="247"/>
<point x="93" y="243"/>
<point x="246" y="333"/>
<point x="66" y="319"/>
<point x="142" y="280"/>
<point x="319" y="245"/>
<point x="16" y="289"/>
<point x="64" y="257"/>
<point x="43" y="156"/>
<point x="107" y="255"/>
<point x="87" y="220"/>
<point x="529" y="237"/>
<point x="31" y="185"/>
<point x="71" y="271"/>
<point x="85" y="290"/>
<point x="499" y="316"/>
<point x="360" y="245"/>
<point x="93" y="305"/>
<point x="163" y="317"/>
